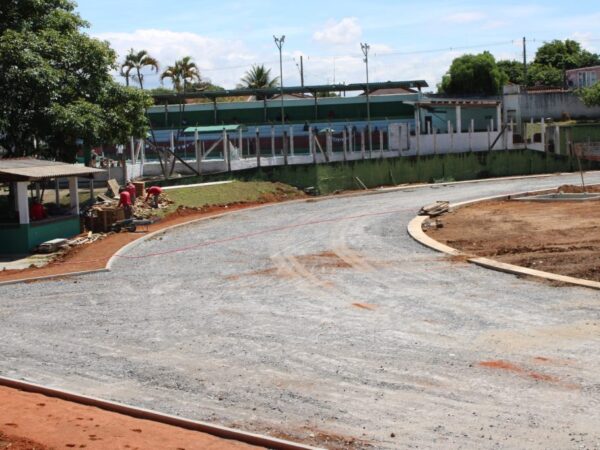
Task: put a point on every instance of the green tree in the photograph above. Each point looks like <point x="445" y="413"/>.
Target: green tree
<point x="590" y="96"/>
<point x="182" y="73"/>
<point x="512" y="69"/>
<point x="136" y="62"/>
<point x="541" y="75"/>
<point x="565" y="55"/>
<point x="474" y="74"/>
<point x="56" y="85"/>
<point x="258" y="77"/>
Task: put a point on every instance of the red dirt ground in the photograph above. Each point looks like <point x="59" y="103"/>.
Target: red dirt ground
<point x="557" y="237"/>
<point x="27" y="419"/>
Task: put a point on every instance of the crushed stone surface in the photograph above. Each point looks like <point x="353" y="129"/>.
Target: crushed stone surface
<point x="323" y="319"/>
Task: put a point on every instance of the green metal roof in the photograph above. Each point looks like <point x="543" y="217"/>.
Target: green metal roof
<point x="213" y="95"/>
<point x="214" y="128"/>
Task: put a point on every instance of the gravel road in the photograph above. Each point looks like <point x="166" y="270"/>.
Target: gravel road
<point x="323" y="318"/>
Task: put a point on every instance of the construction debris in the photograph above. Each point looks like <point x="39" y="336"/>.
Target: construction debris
<point x="435" y="209"/>
<point x="52" y="245"/>
<point x="143" y="210"/>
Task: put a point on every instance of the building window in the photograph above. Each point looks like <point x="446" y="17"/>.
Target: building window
<point x="592" y="78"/>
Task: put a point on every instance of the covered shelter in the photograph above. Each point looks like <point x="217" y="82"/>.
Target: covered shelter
<point x="24" y="221"/>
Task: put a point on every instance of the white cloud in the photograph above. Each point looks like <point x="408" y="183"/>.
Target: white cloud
<point x="465" y="17"/>
<point x="346" y="31"/>
<point x="213" y="56"/>
<point x="585" y="39"/>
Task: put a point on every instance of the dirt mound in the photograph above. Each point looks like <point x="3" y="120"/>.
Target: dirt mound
<point x="573" y="189"/>
<point x="561" y="237"/>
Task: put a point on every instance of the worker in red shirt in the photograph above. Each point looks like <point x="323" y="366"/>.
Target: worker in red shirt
<point x="37" y="211"/>
<point x="125" y="202"/>
<point x="155" y="192"/>
<point x="131" y="189"/>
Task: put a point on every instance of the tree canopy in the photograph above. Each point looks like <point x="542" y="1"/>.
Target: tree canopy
<point x="590" y="96"/>
<point x="183" y="73"/>
<point x="551" y="61"/>
<point x="56" y="85"/>
<point x="136" y="62"/>
<point x="474" y="74"/>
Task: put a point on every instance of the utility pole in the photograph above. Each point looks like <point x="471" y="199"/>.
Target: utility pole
<point x="301" y="70"/>
<point x="365" y="49"/>
<point x="279" y="43"/>
<point x="524" y="61"/>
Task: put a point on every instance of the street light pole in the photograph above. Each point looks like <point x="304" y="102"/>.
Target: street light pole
<point x="279" y="43"/>
<point x="365" y="49"/>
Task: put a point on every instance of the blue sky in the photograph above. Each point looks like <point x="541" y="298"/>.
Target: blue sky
<point x="407" y="41"/>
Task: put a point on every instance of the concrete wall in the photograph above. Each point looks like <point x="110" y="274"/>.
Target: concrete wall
<point x="555" y="105"/>
<point x="335" y="176"/>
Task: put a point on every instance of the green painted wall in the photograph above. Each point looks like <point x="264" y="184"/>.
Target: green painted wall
<point x="17" y="239"/>
<point x="578" y="133"/>
<point x="331" y="177"/>
<point x="14" y="239"/>
<point x="296" y="111"/>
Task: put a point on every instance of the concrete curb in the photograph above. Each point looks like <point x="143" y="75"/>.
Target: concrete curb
<point x="415" y="230"/>
<point x="50" y="277"/>
<point x="146" y="414"/>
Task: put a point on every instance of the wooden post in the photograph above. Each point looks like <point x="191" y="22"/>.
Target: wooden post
<point x="284" y="142"/>
<point x="226" y="155"/>
<point x="272" y="141"/>
<point x="311" y="144"/>
<point x="362" y="144"/>
<point x="198" y="152"/>
<point x="257" y="147"/>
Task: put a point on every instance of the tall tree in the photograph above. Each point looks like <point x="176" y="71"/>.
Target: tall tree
<point x="473" y="74"/>
<point x="137" y="62"/>
<point x="56" y="85"/>
<point x="259" y="77"/>
<point x="565" y="55"/>
<point x="512" y="69"/>
<point x="182" y="73"/>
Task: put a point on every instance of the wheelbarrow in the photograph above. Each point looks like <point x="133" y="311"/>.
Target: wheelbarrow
<point x="129" y="225"/>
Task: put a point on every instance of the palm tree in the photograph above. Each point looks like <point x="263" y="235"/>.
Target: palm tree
<point x="174" y="73"/>
<point x="137" y="61"/>
<point x="189" y="71"/>
<point x="258" y="77"/>
<point x="182" y="73"/>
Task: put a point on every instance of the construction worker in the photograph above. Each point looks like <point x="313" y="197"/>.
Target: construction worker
<point x="37" y="210"/>
<point x="131" y="189"/>
<point x="155" y="192"/>
<point x="125" y="202"/>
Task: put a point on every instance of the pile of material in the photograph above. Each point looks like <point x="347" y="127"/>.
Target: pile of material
<point x="435" y="209"/>
<point x="144" y="210"/>
<point x="100" y="216"/>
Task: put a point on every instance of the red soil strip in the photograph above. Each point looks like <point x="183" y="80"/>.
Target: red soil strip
<point x="32" y="421"/>
<point x="364" y="306"/>
<point x="95" y="256"/>
<point x="510" y="367"/>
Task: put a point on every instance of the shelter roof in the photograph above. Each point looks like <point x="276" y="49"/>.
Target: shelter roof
<point x="464" y="103"/>
<point x="270" y="92"/>
<point x="214" y="128"/>
<point x="31" y="169"/>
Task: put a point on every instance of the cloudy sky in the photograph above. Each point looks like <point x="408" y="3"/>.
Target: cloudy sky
<point x="407" y="41"/>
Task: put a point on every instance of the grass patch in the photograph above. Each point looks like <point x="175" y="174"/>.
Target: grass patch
<point x="230" y="193"/>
